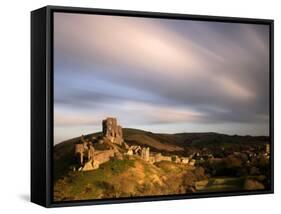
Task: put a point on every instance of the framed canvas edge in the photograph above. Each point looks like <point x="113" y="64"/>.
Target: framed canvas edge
<point x="49" y="101"/>
<point x="38" y="152"/>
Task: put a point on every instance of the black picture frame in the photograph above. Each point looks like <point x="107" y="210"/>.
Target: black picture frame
<point x="42" y="102"/>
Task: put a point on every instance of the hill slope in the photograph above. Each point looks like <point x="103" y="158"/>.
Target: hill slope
<point x="160" y="142"/>
<point x="126" y="178"/>
<point x="165" y="143"/>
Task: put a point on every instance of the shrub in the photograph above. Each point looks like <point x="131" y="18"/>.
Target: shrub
<point x="233" y="162"/>
<point x="118" y="166"/>
<point x="199" y="173"/>
<point x="188" y="182"/>
<point x="251" y="184"/>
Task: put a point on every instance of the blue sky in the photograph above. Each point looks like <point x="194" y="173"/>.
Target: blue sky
<point x="159" y="75"/>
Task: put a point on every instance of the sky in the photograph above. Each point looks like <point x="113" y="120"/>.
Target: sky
<point x="160" y="75"/>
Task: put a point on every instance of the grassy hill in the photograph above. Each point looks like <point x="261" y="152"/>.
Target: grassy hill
<point x="63" y="152"/>
<point x="125" y="178"/>
<point x="158" y="142"/>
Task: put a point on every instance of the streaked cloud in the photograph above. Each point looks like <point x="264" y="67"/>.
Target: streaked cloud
<point x="160" y="73"/>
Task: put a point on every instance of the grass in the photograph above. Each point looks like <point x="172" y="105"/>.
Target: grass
<point x="91" y="184"/>
<point x="118" y="166"/>
<point x="170" y="167"/>
<point x="120" y="178"/>
<point x="222" y="184"/>
<point x="135" y="177"/>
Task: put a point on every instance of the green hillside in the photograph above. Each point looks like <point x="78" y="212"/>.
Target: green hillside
<point x="126" y="178"/>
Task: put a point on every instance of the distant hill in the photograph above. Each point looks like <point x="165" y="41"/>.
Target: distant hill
<point x="176" y="142"/>
<point x="156" y="141"/>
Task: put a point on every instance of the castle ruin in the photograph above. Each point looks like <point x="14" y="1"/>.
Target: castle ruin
<point x="84" y="150"/>
<point x="112" y="131"/>
<point x="89" y="158"/>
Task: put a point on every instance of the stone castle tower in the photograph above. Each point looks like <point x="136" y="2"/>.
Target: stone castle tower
<point x="112" y="131"/>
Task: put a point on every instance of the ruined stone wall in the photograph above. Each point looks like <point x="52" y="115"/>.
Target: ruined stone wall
<point x="184" y="160"/>
<point x="99" y="157"/>
<point x="166" y="158"/>
<point x="145" y="153"/>
<point x="79" y="151"/>
<point x="79" y="148"/>
<point x="91" y="152"/>
<point x="103" y="156"/>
